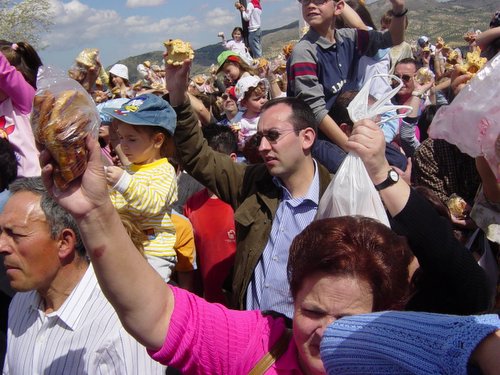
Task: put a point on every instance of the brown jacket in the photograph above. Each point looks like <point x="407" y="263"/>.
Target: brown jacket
<point x="249" y="189"/>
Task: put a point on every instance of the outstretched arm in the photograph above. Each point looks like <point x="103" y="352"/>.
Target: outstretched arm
<point x="143" y="302"/>
<point x="398" y="24"/>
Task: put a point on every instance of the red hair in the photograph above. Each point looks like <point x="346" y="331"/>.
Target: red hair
<point x="358" y="247"/>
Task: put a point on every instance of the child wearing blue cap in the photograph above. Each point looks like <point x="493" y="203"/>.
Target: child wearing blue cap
<point x="147" y="187"/>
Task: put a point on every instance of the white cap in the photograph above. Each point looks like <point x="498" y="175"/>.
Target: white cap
<point x="119" y="70"/>
<point x="422" y="40"/>
<point x="245" y="83"/>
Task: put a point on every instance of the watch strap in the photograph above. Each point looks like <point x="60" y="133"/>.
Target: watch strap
<point x="388" y="181"/>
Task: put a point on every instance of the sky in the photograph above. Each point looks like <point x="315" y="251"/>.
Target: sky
<point x="120" y="29"/>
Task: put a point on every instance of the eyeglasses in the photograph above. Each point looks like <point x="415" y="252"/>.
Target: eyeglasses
<point x="226" y="97"/>
<point x="315" y="2"/>
<point x="272" y="136"/>
<point x="404" y="77"/>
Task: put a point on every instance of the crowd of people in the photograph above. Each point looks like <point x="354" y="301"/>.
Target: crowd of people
<point x="191" y="242"/>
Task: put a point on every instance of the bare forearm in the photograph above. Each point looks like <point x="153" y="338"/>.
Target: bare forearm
<point x="138" y="294"/>
<point x="352" y="19"/>
<point x="333" y="132"/>
<point x="491" y="188"/>
<point x="397" y="27"/>
<point x="486" y="37"/>
<point x="203" y="114"/>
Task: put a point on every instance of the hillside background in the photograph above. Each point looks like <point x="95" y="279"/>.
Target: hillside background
<point x="449" y="19"/>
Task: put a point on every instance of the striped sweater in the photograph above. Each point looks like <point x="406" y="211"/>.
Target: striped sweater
<point x="146" y="193"/>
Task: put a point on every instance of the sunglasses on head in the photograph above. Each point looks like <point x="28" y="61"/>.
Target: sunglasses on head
<point x="404" y="77"/>
<point x="272" y="136"/>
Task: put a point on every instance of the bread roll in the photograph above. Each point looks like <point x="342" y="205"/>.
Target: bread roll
<point x="178" y="51"/>
<point x="61" y="125"/>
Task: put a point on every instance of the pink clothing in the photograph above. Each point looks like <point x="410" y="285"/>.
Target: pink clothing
<point x="238" y="47"/>
<point x="205" y="338"/>
<point x="15" y="118"/>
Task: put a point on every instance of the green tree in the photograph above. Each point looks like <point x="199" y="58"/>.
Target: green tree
<point x="24" y="20"/>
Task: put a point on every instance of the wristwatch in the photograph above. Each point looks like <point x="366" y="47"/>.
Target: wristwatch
<point x="392" y="178"/>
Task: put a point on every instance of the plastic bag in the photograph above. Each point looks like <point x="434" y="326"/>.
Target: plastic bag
<point x="472" y="120"/>
<point x="63" y="115"/>
<point x="351" y="192"/>
<point x="360" y="109"/>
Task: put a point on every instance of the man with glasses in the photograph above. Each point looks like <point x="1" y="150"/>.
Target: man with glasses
<point x="412" y="94"/>
<point x="324" y="62"/>
<point x="229" y="106"/>
<point x="273" y="201"/>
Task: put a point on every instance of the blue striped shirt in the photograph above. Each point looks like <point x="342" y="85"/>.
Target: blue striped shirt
<point x="269" y="289"/>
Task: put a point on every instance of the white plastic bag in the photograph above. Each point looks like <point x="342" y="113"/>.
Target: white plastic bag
<point x="472" y="120"/>
<point x="360" y="109"/>
<point x="351" y="192"/>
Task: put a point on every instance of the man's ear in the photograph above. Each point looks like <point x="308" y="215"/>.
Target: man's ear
<point x="309" y="136"/>
<point x="233" y="156"/>
<point x="67" y="243"/>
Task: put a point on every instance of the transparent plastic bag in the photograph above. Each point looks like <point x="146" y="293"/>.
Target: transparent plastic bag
<point x="351" y="192"/>
<point x="62" y="117"/>
<point x="472" y="120"/>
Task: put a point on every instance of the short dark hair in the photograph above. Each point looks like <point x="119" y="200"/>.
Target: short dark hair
<point x="57" y="217"/>
<point x="237" y="28"/>
<point x="407" y="60"/>
<point x="339" y="112"/>
<point x="220" y="138"/>
<point x="353" y="246"/>
<point x="8" y="162"/>
<point x="152" y="131"/>
<point x="302" y="115"/>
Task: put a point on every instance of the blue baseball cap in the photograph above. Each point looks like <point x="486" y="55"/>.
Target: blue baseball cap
<point x="146" y="110"/>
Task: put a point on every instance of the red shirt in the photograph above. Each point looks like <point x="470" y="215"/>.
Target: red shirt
<point x="215" y="239"/>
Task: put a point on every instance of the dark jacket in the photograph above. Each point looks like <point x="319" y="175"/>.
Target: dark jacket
<point x="449" y="279"/>
<point x="249" y="189"/>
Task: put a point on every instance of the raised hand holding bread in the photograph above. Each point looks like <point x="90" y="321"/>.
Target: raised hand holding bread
<point x="63" y="115"/>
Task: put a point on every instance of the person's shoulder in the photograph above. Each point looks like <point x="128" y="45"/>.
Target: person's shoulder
<point x="196" y="197"/>
<point x="22" y="301"/>
<point x="257" y="174"/>
<point x="305" y="48"/>
<point x="345" y="33"/>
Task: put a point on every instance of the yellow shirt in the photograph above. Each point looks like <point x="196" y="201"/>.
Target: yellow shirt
<point x="146" y="193"/>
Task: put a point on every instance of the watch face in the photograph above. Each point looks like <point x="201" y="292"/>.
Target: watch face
<point x="393" y="175"/>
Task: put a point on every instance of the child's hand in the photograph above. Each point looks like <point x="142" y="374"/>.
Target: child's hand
<point x="113" y="174"/>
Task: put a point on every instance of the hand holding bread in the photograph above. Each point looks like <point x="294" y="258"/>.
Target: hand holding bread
<point x="61" y="123"/>
<point x="177" y="52"/>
